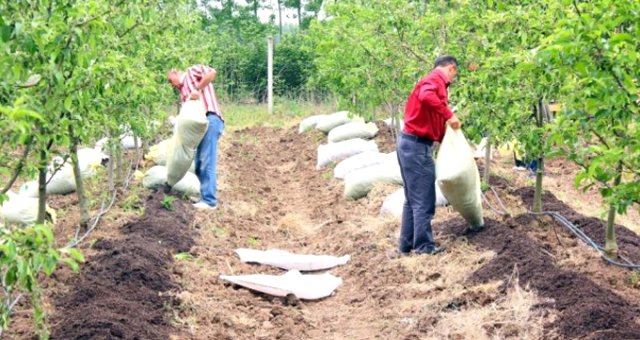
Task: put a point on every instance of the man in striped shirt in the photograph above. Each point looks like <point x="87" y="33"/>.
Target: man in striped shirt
<point x="195" y="84"/>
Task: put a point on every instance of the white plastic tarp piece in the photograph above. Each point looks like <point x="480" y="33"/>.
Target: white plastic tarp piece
<point x="358" y="183"/>
<point x="155" y="177"/>
<point x="191" y="127"/>
<point x="286" y="260"/>
<point x="328" y="122"/>
<point x="304" y="287"/>
<point x="458" y="176"/>
<point x="394" y="203"/>
<point x="334" y="152"/>
<point x="359" y="161"/>
<point x="352" y="130"/>
<point x="310" y="123"/>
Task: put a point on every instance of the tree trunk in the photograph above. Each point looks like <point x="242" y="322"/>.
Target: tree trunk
<point x="487" y="161"/>
<point x="300" y="13"/>
<point x="539" y="109"/>
<point x="119" y="169"/>
<point x="610" y="245"/>
<point x="255" y="8"/>
<point x="280" y="18"/>
<point x="77" y="176"/>
<point x="537" y="196"/>
<point x="42" y="186"/>
<point x="112" y="186"/>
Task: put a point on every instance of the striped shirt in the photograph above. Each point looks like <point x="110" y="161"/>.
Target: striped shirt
<point x="191" y="79"/>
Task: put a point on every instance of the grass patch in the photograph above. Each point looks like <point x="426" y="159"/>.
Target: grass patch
<point x="285" y="113"/>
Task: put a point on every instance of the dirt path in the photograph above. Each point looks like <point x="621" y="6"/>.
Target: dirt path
<point x="272" y="197"/>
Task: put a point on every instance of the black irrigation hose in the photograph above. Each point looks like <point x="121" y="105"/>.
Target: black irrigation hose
<point x="586" y="239"/>
<point x="574" y="229"/>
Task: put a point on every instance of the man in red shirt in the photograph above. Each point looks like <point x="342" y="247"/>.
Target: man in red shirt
<point x="425" y="116"/>
<point x="195" y="84"/>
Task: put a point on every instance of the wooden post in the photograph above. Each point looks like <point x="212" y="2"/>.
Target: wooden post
<point x="270" y="74"/>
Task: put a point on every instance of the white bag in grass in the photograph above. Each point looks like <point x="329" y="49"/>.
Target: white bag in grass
<point x="334" y="152"/>
<point x="286" y="260"/>
<point x="191" y="125"/>
<point x="358" y="183"/>
<point x="155" y="177"/>
<point x="394" y="203"/>
<point x="130" y="142"/>
<point x="305" y="287"/>
<point x="327" y="123"/>
<point x="158" y="152"/>
<point x="21" y="209"/>
<point x="458" y="176"/>
<point x="309" y="123"/>
<point x="359" y="161"/>
<point x="61" y="183"/>
<point x="352" y="130"/>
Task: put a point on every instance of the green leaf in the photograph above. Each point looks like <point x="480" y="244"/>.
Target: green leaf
<point x="73" y="253"/>
<point x="71" y="263"/>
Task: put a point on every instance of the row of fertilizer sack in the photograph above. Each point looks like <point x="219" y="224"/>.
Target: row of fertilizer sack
<point x="361" y="165"/>
<point x="22" y="207"/>
<point x="358" y="160"/>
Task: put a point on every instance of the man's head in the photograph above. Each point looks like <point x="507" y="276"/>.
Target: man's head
<point x="448" y="65"/>
<point x="174" y="78"/>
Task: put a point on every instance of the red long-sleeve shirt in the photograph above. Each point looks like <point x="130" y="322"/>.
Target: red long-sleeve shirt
<point x="427" y="108"/>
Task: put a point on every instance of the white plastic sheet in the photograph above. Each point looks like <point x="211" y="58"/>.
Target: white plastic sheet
<point x="305" y="287"/>
<point x="286" y="260"/>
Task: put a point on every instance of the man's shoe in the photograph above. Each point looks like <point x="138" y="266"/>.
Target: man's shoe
<point x="396" y="254"/>
<point x="435" y="250"/>
<point x="205" y="206"/>
<point x="166" y="188"/>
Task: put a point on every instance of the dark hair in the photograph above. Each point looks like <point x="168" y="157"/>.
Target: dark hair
<point x="445" y="61"/>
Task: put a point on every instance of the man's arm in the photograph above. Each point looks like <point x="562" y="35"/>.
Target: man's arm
<point x="207" y="78"/>
<point x="428" y="96"/>
<point x="205" y="75"/>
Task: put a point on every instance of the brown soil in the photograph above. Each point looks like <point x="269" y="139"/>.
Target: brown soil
<point x="628" y="241"/>
<point x="271" y="196"/>
<point x="586" y="309"/>
<point x="121" y="291"/>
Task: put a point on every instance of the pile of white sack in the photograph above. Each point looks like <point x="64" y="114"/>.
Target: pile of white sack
<point x="360" y="164"/>
<point x="174" y="157"/>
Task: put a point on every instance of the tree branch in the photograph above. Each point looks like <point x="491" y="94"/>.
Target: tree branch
<point x="19" y="168"/>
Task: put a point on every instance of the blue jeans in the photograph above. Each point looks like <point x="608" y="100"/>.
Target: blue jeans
<point x="419" y="176"/>
<point x="206" y="160"/>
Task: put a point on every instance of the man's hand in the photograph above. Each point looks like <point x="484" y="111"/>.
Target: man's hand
<point x="454" y="122"/>
<point x="195" y="95"/>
